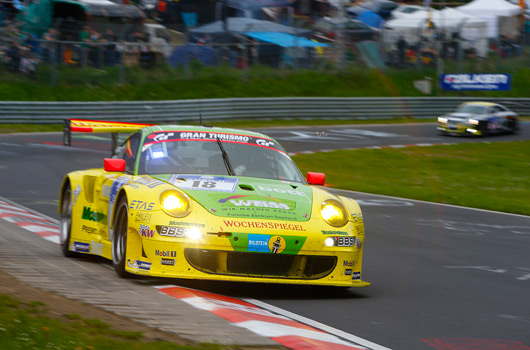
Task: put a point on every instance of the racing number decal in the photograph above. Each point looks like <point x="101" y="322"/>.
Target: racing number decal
<point x="204" y="183"/>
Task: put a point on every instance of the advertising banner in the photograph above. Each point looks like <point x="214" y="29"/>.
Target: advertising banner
<point x="485" y="81"/>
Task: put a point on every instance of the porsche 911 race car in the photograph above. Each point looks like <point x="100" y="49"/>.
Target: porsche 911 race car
<point x="197" y="202"/>
<point x="480" y="119"/>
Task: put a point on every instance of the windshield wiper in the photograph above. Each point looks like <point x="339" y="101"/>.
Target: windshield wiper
<point x="225" y="157"/>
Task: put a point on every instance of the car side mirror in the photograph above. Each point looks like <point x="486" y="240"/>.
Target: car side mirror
<point x="114" y="165"/>
<point x="316" y="178"/>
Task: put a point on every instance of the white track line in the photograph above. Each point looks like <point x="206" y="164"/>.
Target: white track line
<point x="337" y="332"/>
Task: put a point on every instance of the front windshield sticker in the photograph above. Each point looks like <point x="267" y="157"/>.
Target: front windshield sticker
<point x="204" y="183"/>
<point x="209" y="136"/>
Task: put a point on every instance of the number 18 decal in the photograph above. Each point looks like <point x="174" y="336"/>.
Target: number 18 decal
<point x="204" y="183"/>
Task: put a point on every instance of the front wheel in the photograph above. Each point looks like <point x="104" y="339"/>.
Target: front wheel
<point x="119" y="240"/>
<point x="65" y="228"/>
<point x="512" y="126"/>
<point x="484" y="131"/>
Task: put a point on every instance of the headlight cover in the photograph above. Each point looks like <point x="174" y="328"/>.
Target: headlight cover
<point x="333" y="212"/>
<point x="442" y="120"/>
<point x="174" y="203"/>
<point x="473" y="121"/>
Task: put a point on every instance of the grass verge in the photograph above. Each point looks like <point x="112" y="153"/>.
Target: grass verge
<point x="164" y="83"/>
<point x="26" y="325"/>
<point x="494" y="176"/>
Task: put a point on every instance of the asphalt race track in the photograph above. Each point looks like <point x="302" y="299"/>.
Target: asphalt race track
<point x="443" y="277"/>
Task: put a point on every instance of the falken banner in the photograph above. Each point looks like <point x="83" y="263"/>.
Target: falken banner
<point x="484" y="81"/>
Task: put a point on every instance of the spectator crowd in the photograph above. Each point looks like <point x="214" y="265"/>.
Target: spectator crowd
<point x="22" y="51"/>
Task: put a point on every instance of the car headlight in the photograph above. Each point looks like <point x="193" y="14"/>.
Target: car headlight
<point x="442" y="120"/>
<point x="329" y="242"/>
<point x="333" y="212"/>
<point x="473" y="122"/>
<point x="174" y="203"/>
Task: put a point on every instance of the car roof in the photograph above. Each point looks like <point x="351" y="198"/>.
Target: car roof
<point x="197" y="128"/>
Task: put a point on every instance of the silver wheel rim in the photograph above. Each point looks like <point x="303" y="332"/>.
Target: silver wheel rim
<point x="66" y="216"/>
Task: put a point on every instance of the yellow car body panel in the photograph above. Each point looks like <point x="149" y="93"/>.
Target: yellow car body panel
<point x="207" y="244"/>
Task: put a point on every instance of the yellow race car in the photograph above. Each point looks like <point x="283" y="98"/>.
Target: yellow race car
<point x="199" y="202"/>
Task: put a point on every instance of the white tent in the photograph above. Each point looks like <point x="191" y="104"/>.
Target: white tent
<point x="499" y="14"/>
<point x="412" y="27"/>
<point x="470" y="28"/>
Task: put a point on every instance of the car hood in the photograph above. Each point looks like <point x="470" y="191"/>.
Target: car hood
<point x="465" y="116"/>
<point x="246" y="197"/>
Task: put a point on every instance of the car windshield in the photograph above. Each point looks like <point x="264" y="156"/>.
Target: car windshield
<point x="200" y="153"/>
<point x="472" y="109"/>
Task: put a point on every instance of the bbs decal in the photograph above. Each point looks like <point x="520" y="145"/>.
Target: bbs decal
<point x="345" y="241"/>
<point x="171" y="231"/>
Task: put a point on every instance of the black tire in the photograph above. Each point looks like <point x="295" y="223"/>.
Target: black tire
<point x="119" y="238"/>
<point x="65" y="226"/>
<point x="513" y="127"/>
<point x="484" y="129"/>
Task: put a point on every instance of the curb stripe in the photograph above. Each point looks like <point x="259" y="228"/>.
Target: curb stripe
<point x="45" y="228"/>
<point x="306" y="343"/>
<point x="278" y="326"/>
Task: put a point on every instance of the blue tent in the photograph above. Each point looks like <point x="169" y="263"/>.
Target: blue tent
<point x="187" y="53"/>
<point x="284" y="39"/>
<point x="371" y="19"/>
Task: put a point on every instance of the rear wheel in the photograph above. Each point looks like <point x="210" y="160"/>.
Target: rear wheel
<point x="119" y="240"/>
<point x="65" y="228"/>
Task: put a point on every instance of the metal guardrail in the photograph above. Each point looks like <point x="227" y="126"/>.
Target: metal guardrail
<point x="243" y="108"/>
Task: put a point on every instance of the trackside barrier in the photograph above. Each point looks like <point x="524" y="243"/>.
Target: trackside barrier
<point x="179" y="111"/>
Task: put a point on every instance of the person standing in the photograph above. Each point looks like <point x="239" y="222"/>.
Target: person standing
<point x="401" y="47"/>
<point x="49" y="45"/>
<point x="84" y="37"/>
<point x="111" y="54"/>
<point x="13" y="56"/>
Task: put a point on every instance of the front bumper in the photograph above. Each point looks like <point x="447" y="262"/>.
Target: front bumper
<point x="216" y="258"/>
<point x="456" y="128"/>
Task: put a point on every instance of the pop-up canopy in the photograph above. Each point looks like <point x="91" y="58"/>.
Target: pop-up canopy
<point x="500" y="15"/>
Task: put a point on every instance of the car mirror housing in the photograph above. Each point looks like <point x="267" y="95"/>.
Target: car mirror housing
<point x="316" y="178"/>
<point x="114" y="165"/>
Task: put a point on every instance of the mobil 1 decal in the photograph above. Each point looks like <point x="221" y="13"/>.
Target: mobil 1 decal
<point x="272" y="244"/>
<point x="165" y="136"/>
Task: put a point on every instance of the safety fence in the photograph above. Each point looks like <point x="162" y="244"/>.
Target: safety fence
<point x="179" y="111"/>
<point x="306" y="46"/>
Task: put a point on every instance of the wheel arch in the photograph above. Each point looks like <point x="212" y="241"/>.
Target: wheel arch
<point x="122" y="193"/>
<point x="66" y="182"/>
<point x="74" y="181"/>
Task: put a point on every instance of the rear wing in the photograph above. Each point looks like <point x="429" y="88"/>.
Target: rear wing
<point x="85" y="125"/>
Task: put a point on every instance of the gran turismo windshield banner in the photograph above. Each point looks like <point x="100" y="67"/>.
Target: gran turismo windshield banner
<point x="175" y="136"/>
<point x="484" y="82"/>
